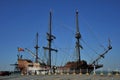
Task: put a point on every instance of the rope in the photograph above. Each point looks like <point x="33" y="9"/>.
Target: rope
<point x="95" y="37"/>
<point x="89" y="47"/>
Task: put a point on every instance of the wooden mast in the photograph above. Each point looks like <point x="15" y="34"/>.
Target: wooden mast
<point x="36" y="47"/>
<point x="50" y="38"/>
<point x="78" y="37"/>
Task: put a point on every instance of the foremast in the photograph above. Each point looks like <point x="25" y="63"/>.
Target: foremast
<point x="36" y="47"/>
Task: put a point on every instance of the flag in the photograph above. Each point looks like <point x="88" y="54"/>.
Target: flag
<point x="20" y="49"/>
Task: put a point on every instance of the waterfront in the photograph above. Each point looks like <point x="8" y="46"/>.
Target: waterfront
<point x="61" y="77"/>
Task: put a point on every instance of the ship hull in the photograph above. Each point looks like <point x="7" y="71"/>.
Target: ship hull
<point x="28" y="67"/>
<point x="80" y="67"/>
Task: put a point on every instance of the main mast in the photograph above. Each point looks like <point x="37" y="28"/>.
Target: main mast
<point x="36" y="47"/>
<point x="50" y="38"/>
<point x="78" y="37"/>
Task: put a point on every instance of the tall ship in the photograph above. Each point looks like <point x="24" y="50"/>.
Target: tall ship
<point x="81" y="66"/>
<point x="27" y="66"/>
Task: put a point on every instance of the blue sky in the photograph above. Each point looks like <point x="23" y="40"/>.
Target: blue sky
<point x="99" y="20"/>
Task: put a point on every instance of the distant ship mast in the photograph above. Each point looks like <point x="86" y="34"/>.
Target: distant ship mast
<point x="50" y="38"/>
<point x="78" y="37"/>
<point x="36" y="47"/>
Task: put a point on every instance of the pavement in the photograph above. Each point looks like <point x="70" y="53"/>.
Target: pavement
<point x="61" y="77"/>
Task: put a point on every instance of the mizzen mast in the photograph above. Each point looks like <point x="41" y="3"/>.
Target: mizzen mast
<point x="50" y="38"/>
<point x="78" y="37"/>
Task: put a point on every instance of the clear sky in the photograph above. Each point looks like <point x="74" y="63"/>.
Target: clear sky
<point x="99" y="20"/>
